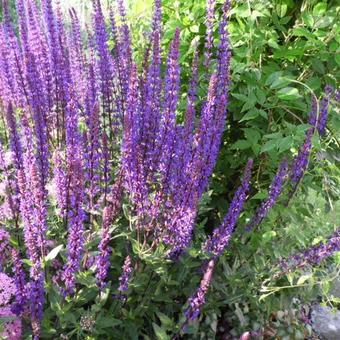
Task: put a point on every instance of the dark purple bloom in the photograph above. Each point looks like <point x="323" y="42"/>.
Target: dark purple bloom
<point x="126" y="274"/>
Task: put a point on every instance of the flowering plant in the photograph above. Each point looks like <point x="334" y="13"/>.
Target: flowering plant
<point x="107" y="173"/>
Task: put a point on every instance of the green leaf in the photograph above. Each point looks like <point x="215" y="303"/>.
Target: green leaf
<point x="319" y="8"/>
<point x="252" y="114"/>
<point x="165" y="320"/>
<point x="260" y="195"/>
<point x="241" y="145"/>
<point x="107" y="322"/>
<point x="289" y="93"/>
<point x="337" y="59"/>
<point x="281" y="9"/>
<point x="240" y="96"/>
<point x="323" y="22"/>
<point x="270" y="145"/>
<point x="285" y="143"/>
<point x="303" y="32"/>
<point x="252" y="135"/>
<point x="53" y="253"/>
<point x="160" y="332"/>
<point x="269" y="235"/>
<point x="307" y="18"/>
<point x="274" y="76"/>
<point x="302" y="279"/>
<point x="280" y="82"/>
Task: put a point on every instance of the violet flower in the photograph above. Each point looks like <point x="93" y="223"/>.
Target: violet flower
<point x="221" y="235"/>
<point x="323" y="114"/>
<point x="126" y="274"/>
<point x="313" y="255"/>
<point x="274" y="192"/>
<point x="300" y="161"/>
<point x="197" y="300"/>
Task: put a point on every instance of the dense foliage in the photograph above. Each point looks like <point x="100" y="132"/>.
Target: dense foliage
<point x="111" y="226"/>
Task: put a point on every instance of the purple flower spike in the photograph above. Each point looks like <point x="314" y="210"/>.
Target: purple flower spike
<point x="273" y="194"/>
<point x="313" y="255"/>
<point x="221" y="235"/>
<point x="20" y="282"/>
<point x="324" y="103"/>
<point x="300" y="162"/>
<point x="125" y="277"/>
<point x="110" y="213"/>
<point x="197" y="300"/>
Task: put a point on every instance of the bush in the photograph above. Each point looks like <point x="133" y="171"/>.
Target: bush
<point x="111" y="225"/>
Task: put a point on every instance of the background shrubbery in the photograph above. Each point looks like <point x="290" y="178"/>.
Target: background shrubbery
<point x="283" y="50"/>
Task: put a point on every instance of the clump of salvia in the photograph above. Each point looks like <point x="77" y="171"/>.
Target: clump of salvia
<point x="87" y="127"/>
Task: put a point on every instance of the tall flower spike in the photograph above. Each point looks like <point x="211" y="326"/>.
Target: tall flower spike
<point x="197" y="300"/>
<point x="132" y="166"/>
<point x="20" y="282"/>
<point x="11" y="190"/>
<point x="221" y="235"/>
<point x="34" y="215"/>
<point x="93" y="157"/>
<point x="315" y="254"/>
<point x="126" y="274"/>
<point x="273" y="194"/>
<point x="60" y="181"/>
<point x="76" y="213"/>
<point x="4" y="241"/>
<point x="300" y="161"/>
<point x="209" y="26"/>
<point x="14" y="139"/>
<point x="166" y="137"/>
<point x="324" y="110"/>
<point x="110" y="213"/>
<point x="152" y="101"/>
